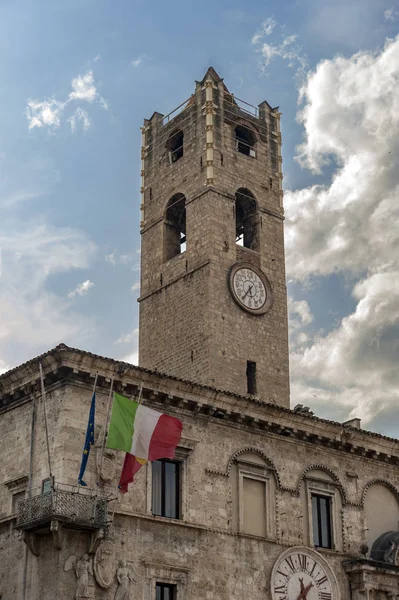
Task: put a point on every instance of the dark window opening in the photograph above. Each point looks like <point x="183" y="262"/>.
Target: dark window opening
<point x="247" y="222"/>
<point x="245" y="141"/>
<point x="251" y="377"/>
<point x="175" y="146"/>
<point x="165" y="591"/>
<point x="175" y="227"/>
<point x="166" y="488"/>
<point x="321" y="517"/>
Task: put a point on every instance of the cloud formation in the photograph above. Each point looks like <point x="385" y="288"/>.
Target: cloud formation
<point x="49" y="113"/>
<point x="33" y="317"/>
<point x="127" y="338"/>
<point x="281" y="47"/>
<point x="82" y="289"/>
<point x="351" y="226"/>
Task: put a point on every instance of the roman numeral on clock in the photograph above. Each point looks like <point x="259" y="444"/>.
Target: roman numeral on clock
<point x="322" y="580"/>
<point x="303" y="561"/>
<point x="325" y="596"/>
<point x="279" y="589"/>
<point x="291" y="564"/>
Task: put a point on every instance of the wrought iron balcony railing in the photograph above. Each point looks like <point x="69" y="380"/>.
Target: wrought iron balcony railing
<point x="72" y="507"/>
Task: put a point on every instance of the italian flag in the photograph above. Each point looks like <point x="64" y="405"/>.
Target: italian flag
<point x="143" y="433"/>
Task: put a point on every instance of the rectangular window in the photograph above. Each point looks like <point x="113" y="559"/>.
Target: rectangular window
<point x="46" y="486"/>
<point x="166" y="488"/>
<point x="321" y="517"/>
<point x="254" y="510"/>
<point x="251" y="377"/>
<point x="16" y="498"/>
<point x="165" y="591"/>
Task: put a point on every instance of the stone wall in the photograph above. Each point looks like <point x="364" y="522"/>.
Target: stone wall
<point x="189" y="324"/>
<point x="205" y="548"/>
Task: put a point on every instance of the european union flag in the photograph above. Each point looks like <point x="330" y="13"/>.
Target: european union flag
<point x="89" y="439"/>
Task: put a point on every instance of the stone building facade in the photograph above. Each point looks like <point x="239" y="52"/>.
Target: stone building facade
<point x="261" y="501"/>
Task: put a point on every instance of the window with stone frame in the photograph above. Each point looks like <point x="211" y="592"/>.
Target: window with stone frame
<point x="175" y="146"/>
<point x="247" y="220"/>
<point x="17" y="488"/>
<point x="165" y="582"/>
<point x="174" y="242"/>
<point x="245" y="140"/>
<point x="166" y="488"/>
<point x="165" y="591"/>
<point x="167" y="484"/>
<point x="322" y="502"/>
<point x="253" y="483"/>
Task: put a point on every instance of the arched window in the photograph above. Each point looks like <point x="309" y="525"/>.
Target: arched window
<point x="253" y="482"/>
<point x="245" y="140"/>
<point x="247" y="233"/>
<point x="381" y="509"/>
<point x="175" y="145"/>
<point x="175" y="227"/>
<point x="322" y="503"/>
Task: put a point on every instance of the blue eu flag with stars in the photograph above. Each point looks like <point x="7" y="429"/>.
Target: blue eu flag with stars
<point x="89" y="439"/>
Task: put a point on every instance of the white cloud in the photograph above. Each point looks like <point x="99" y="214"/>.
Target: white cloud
<point x="136" y="62"/>
<point x="350" y="226"/>
<point x="82" y="289"/>
<point x="81" y="116"/>
<point x="132" y="358"/>
<point x="265" y="30"/>
<point x="97" y="58"/>
<point x="49" y="113"/>
<point x="83" y="88"/>
<point x="32" y="317"/>
<point x="286" y="48"/>
<point x="351" y="116"/>
<point x="127" y="338"/>
<point x="135" y="286"/>
<point x="125" y="258"/>
<point x="391" y="14"/>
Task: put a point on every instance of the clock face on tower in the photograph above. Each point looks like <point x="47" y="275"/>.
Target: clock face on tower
<point x="250" y="288"/>
<point x="302" y="574"/>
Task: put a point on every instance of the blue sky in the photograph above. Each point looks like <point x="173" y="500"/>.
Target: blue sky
<point x="77" y="79"/>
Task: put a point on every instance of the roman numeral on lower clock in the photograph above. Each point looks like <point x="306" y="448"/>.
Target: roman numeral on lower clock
<point x="325" y="596"/>
<point x="322" y="580"/>
<point x="303" y="561"/>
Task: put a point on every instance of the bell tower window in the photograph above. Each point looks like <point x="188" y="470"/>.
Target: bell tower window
<point x="175" y="227"/>
<point x="175" y="146"/>
<point x="247" y="233"/>
<point x="245" y="141"/>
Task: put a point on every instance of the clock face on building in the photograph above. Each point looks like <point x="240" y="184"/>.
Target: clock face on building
<point x="302" y="574"/>
<point x="250" y="288"/>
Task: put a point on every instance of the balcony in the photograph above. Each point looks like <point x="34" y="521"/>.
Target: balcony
<point x="63" y="507"/>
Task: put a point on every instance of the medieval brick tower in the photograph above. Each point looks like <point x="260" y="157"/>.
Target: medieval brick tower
<point x="213" y="304"/>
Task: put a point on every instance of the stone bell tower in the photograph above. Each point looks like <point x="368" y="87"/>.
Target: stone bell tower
<point x="213" y="304"/>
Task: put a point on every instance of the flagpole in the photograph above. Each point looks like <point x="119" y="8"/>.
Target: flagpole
<point x="106" y="420"/>
<point x="139" y="400"/>
<point x="46" y="424"/>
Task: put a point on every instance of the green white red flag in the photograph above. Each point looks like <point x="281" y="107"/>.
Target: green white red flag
<point x="143" y="433"/>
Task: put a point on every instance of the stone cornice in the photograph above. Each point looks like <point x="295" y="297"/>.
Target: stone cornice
<point x="64" y="364"/>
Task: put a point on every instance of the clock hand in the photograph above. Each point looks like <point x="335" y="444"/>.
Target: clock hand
<point x="307" y="588"/>
<point x="246" y="293"/>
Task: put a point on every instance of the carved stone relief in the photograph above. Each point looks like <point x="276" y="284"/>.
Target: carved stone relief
<point x="126" y="576"/>
<point x="104" y="563"/>
<point x="83" y="567"/>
